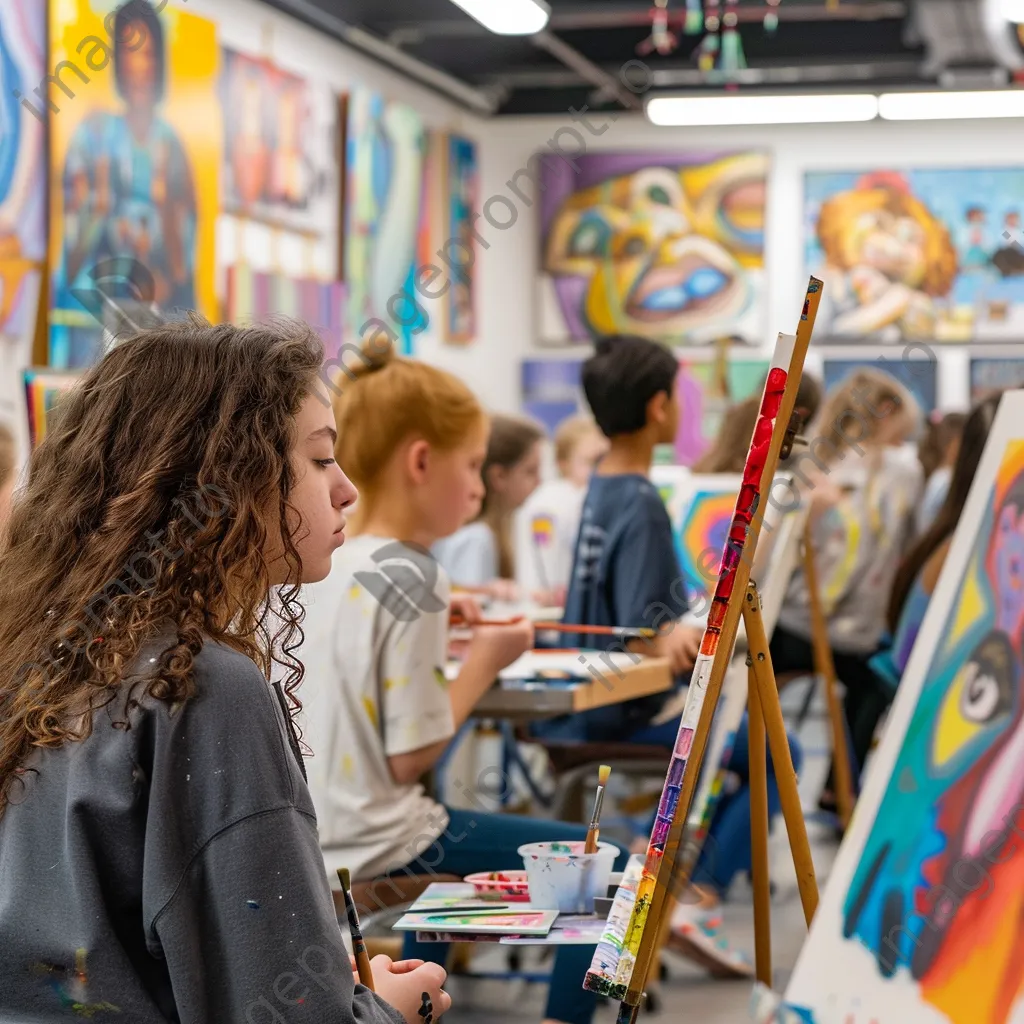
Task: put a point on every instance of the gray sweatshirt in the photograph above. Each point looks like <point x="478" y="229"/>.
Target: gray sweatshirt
<point x="171" y="871"/>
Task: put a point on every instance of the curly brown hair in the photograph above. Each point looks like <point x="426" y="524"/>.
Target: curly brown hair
<point x="148" y="507"/>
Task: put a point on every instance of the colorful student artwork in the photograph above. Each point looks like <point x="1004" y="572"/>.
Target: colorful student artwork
<point x="701" y="508"/>
<point x="988" y="375"/>
<point x="669" y="246"/>
<point x="931" y="255"/>
<point x="922" y="913"/>
<point x="613" y="975"/>
<point x="43" y="389"/>
<point x="255" y="297"/>
<point x="462" y="180"/>
<point x="918" y="376"/>
<point x="135" y="160"/>
<point x="385" y="148"/>
<point x="22" y="196"/>
<point x="705" y="391"/>
<point x="276" y="145"/>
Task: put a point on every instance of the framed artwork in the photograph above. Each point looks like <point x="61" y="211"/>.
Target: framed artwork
<point x="132" y="217"/>
<point x="920" y="920"/>
<point x="23" y="179"/>
<point x="917" y="255"/>
<point x="918" y="376"/>
<point x="988" y="375"/>
<point x="462" y="201"/>
<point x="385" y="149"/>
<point x="669" y="246"/>
<point x="277" y="152"/>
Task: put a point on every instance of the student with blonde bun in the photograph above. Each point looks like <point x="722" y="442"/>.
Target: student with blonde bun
<point x="380" y="707"/>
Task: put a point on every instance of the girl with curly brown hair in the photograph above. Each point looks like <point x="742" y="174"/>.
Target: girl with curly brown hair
<point x="158" y="848"/>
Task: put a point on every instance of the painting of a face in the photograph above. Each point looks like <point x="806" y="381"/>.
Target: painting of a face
<point x="667" y="248"/>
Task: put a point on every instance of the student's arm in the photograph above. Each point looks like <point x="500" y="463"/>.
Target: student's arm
<point x="250" y="934"/>
<point x="490" y="650"/>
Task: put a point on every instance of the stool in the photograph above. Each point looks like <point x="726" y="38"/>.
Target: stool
<point x="573" y="763"/>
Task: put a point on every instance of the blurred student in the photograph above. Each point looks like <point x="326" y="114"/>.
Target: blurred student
<point x="480" y="554"/>
<point x="379" y="709"/>
<point x="728" y="454"/>
<point x="862" y="492"/>
<point x="937" y="453"/>
<point x="919" y="571"/>
<point x="548" y="522"/>
<point x="158" y="844"/>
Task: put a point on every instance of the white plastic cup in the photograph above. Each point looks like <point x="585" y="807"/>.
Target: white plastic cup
<point x="564" y="878"/>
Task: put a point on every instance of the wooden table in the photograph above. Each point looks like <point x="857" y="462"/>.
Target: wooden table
<point x="521" y="698"/>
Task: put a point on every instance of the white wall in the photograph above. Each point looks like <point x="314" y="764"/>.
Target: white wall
<point x="509" y="269"/>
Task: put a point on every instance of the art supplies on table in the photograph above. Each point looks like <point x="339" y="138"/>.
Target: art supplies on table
<point x="468" y="924"/>
<point x="548" y="666"/>
<point x="512" y="886"/>
<point x="568" y="930"/>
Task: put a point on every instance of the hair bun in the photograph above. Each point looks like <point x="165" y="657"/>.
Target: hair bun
<point x="372" y="357"/>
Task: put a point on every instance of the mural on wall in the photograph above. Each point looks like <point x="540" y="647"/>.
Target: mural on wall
<point x="918" y="376"/>
<point x="22" y="197"/>
<point x="929" y="255"/>
<point x="276" y="145"/>
<point x="135" y="159"/>
<point x="255" y="297"/>
<point x="385" y="147"/>
<point x="462" y="202"/>
<point x="924" y="904"/>
<point x="988" y="375"/>
<point x="667" y="246"/>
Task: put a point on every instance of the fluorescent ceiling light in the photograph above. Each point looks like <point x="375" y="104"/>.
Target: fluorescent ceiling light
<point x="508" y="17"/>
<point x="944" y="106"/>
<point x="1013" y="10"/>
<point x="788" y="109"/>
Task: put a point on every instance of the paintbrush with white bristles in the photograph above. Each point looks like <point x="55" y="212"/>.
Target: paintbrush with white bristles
<point x="595" y="822"/>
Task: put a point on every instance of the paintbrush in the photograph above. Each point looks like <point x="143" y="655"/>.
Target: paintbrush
<point x="594" y="831"/>
<point x="358" y="945"/>
<point x="625" y="632"/>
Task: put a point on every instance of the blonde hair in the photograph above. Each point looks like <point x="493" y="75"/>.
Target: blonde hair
<point x="511" y="439"/>
<point x="387" y="399"/>
<point x="858" y="398"/>
<point x="569" y="434"/>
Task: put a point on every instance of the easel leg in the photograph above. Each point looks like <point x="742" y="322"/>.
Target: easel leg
<point x="825" y="667"/>
<point x="785" y="774"/>
<point x="759" y="834"/>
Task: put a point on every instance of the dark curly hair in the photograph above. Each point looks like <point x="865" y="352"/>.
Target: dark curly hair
<point x="148" y="508"/>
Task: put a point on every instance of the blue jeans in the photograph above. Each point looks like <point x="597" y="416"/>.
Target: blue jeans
<point x="475" y="841"/>
<point x="727" y="851"/>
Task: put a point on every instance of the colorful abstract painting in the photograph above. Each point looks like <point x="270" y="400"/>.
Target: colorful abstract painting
<point x="255" y="297"/>
<point x="463" y="201"/>
<point x="669" y="246"/>
<point x="276" y="145"/>
<point x="22" y="197"/>
<point x="921" y="919"/>
<point x="701" y="508"/>
<point x="988" y="375"/>
<point x="135" y="160"/>
<point x="928" y="255"/>
<point x="918" y="376"/>
<point x="705" y="391"/>
<point x="385" y="147"/>
<point x="43" y="389"/>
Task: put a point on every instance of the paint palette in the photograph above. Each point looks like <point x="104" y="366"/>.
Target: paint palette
<point x="506" y="885"/>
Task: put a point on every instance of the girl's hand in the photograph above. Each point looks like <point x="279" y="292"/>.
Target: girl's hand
<point x="464" y="610"/>
<point x="403" y="985"/>
<point x="498" y="646"/>
<point x="504" y="590"/>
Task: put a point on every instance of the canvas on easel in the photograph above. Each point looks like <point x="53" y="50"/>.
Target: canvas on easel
<point x="921" y="919"/>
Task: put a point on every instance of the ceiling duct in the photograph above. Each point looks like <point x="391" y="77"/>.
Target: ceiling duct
<point x="970" y="44"/>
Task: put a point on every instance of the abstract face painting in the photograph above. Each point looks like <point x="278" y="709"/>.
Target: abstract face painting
<point x="936" y="894"/>
<point x="670" y="247"/>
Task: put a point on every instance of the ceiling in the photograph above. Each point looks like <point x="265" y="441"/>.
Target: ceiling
<point x="818" y="44"/>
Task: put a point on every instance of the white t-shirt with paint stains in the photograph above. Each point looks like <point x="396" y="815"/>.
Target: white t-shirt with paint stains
<point x="376" y="633"/>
